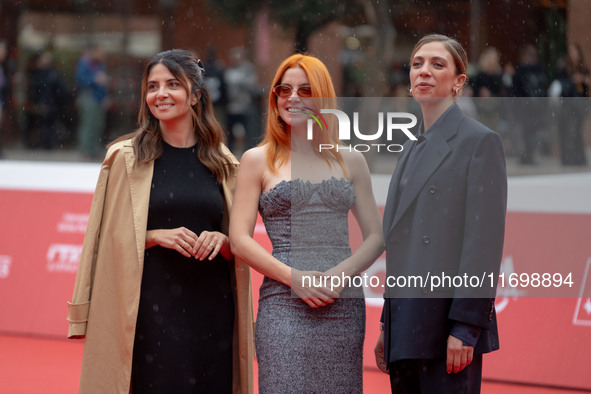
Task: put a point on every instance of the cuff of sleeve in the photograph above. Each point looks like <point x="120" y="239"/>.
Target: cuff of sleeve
<point x="78" y="317"/>
<point x="467" y="333"/>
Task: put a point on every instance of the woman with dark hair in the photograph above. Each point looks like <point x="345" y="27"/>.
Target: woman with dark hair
<point x="309" y="338"/>
<point x="159" y="297"/>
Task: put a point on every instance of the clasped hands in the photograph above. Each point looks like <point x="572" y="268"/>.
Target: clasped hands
<point x="205" y="245"/>
<point x="314" y="287"/>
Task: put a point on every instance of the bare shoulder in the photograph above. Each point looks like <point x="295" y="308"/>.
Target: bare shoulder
<point x="355" y="163"/>
<point x="353" y="156"/>
<point x="254" y="159"/>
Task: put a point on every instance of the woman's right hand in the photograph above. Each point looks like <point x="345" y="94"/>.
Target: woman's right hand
<point x="379" y="354"/>
<point x="180" y="239"/>
<point x="311" y="286"/>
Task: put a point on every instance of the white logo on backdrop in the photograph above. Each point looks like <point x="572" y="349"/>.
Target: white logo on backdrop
<point x="63" y="258"/>
<point x="5" y="262"/>
<point x="73" y="223"/>
<point x="583" y="310"/>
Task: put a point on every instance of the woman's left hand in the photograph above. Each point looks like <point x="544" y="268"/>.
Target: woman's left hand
<point x="210" y="243"/>
<point x="337" y="284"/>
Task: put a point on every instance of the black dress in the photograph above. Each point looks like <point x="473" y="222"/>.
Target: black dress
<point x="183" y="338"/>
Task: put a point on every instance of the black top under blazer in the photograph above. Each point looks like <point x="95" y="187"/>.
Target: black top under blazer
<point x="449" y="218"/>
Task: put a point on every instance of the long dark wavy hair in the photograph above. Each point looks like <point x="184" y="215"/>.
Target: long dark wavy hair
<point x="147" y="139"/>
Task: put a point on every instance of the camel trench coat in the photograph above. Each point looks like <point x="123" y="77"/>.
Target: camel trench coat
<point x="106" y="295"/>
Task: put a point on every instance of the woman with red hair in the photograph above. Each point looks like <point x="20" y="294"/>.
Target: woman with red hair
<point x="310" y="329"/>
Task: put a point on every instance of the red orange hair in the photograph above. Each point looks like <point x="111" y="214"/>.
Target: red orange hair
<point x="277" y="138"/>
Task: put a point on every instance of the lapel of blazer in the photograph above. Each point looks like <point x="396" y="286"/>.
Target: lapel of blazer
<point x="393" y="187"/>
<point x="434" y="153"/>
<point x="140" y="179"/>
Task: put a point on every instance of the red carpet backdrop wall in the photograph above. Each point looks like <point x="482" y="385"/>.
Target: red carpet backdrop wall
<point x="44" y="210"/>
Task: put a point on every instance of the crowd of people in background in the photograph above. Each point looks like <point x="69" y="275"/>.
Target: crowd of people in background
<point x="47" y="96"/>
<point x="60" y="112"/>
<point x="530" y="125"/>
<point x="73" y="113"/>
<point x="4" y="81"/>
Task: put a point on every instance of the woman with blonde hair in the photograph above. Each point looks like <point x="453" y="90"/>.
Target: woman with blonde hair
<point x="309" y="337"/>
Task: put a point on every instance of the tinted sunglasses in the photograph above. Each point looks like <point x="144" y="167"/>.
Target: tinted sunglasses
<point x="285" y="91"/>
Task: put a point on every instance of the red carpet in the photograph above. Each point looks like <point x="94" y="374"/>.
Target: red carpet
<point x="32" y="365"/>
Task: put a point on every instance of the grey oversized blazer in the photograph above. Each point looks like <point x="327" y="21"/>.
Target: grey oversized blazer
<point x="450" y="218"/>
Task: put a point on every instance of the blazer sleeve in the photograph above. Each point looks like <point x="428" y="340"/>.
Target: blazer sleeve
<point x="484" y="231"/>
<point x="79" y="307"/>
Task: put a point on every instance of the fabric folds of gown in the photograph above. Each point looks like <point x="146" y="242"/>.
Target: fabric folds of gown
<point x="302" y="349"/>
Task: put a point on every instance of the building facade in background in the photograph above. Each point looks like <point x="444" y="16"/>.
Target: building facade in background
<point x="364" y="45"/>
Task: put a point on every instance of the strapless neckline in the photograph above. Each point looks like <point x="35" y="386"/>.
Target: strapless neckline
<point x="295" y="195"/>
<point x="288" y="182"/>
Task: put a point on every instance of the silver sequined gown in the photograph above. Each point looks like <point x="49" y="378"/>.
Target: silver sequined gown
<point x="301" y="349"/>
